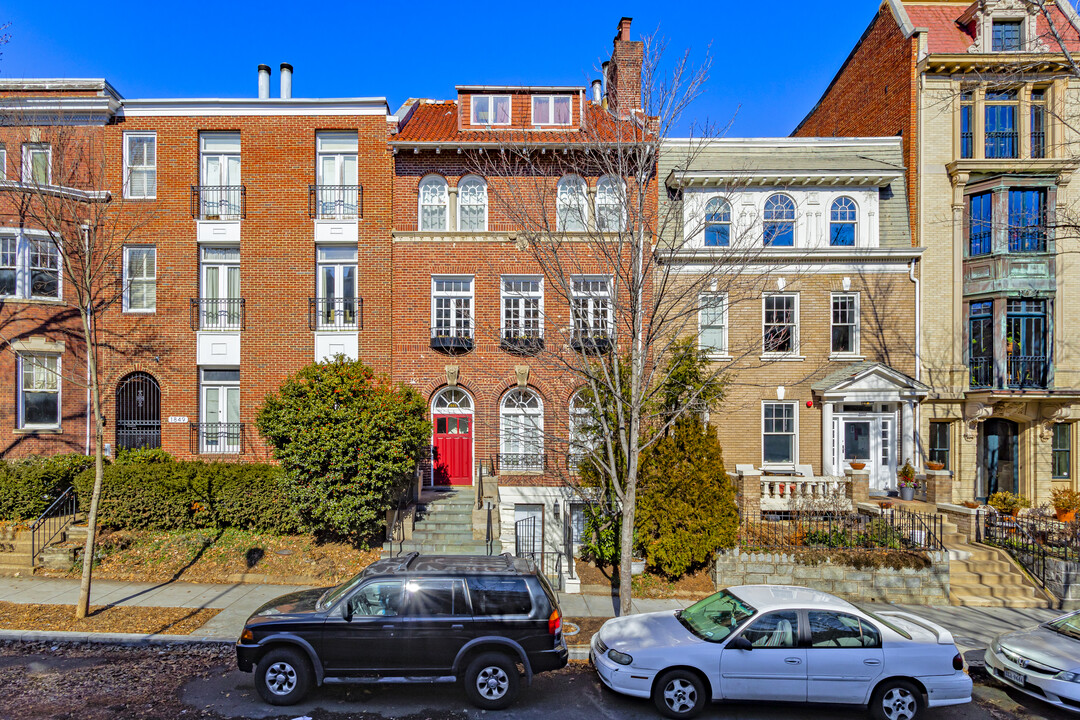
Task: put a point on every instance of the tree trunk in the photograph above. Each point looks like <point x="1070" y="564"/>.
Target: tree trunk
<point x="82" y="608"/>
<point x="626" y="551"/>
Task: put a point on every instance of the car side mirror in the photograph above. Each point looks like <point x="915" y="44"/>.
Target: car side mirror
<point x="740" y="643"/>
<point x="346" y="610"/>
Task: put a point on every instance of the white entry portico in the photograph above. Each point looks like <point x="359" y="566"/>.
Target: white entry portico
<point x="868" y="416"/>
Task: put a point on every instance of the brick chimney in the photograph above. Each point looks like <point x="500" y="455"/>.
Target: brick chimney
<point x="624" y="71"/>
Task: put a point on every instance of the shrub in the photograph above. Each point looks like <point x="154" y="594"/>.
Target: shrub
<point x="1006" y="502"/>
<point x="602" y="536"/>
<point x="29" y="485"/>
<point x="1065" y="499"/>
<point x="348" y="441"/>
<point x="129" y="456"/>
<point x="685" y="502"/>
<point x="190" y="495"/>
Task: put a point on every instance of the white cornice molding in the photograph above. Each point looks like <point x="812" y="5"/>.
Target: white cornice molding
<point x="225" y="107"/>
<point x="61" y="110"/>
<point x="787" y="256"/>
<point x="853" y="142"/>
<point x="778" y="178"/>
<point x="89" y="196"/>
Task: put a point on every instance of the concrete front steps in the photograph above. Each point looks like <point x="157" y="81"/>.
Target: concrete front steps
<point x="981" y="576"/>
<point x="443" y="525"/>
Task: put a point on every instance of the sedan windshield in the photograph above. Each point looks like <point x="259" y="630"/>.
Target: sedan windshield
<point x="716" y="616"/>
<point x="334" y="594"/>
<point x="1069" y="625"/>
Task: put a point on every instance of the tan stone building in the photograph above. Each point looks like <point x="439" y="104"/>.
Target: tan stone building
<point x="983" y="97"/>
<point x="807" y="280"/>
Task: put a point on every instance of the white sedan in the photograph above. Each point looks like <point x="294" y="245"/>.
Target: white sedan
<point x="781" y="643"/>
<point x="1042" y="661"/>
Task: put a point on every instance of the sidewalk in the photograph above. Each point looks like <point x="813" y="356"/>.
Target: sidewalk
<point x="972" y="627"/>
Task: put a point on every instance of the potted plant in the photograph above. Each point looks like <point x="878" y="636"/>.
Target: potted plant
<point x="857" y="465"/>
<point x="1066" y="502"/>
<point x="1007" y="503"/>
<point x="932" y="465"/>
<point x="906" y="482"/>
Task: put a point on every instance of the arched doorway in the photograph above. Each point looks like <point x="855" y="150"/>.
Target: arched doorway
<point x="998" y="457"/>
<point x="138" y="412"/>
<point x="452" y="417"/>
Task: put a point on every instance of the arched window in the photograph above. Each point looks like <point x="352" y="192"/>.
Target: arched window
<point x="717" y="223"/>
<point x="571" y="205"/>
<point x="433" y="203"/>
<point x="521" y="421"/>
<point x="452" y="401"/>
<point x="472" y="204"/>
<point x="779" y="219"/>
<point x="842" y="219"/>
<point x="609" y="200"/>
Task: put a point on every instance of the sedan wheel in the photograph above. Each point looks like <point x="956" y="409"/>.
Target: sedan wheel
<point x="679" y="694"/>
<point x="896" y="700"/>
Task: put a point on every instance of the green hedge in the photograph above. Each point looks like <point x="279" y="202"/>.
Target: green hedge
<point x="29" y="485"/>
<point x="169" y="495"/>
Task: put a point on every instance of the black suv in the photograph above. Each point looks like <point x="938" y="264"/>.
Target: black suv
<point x="439" y="618"/>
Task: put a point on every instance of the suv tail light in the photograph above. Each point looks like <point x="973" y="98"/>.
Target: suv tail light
<point x="554" y="623"/>
<point x="958" y="662"/>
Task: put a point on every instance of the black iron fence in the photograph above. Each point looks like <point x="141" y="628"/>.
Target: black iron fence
<point x="335" y="313"/>
<point x="335" y="201"/>
<point x="217" y="438"/>
<point x="53" y="521"/>
<point x="217" y="314"/>
<point x="219" y="202"/>
<point x="528" y="543"/>
<point x="890" y="530"/>
<point x="1031" y="539"/>
<point x="1027" y="371"/>
<point x="982" y="372"/>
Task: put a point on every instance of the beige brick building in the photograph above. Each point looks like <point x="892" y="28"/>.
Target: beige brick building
<point x="806" y="282"/>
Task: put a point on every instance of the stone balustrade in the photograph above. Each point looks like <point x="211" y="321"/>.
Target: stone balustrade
<point x="781" y="493"/>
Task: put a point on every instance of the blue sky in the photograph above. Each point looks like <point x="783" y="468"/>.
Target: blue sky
<point x="771" y="61"/>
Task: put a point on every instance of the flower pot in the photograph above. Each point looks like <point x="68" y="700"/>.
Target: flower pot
<point x="1065" y="515"/>
<point x="637" y="567"/>
<point x="907" y="493"/>
<point x="857" y="465"/>
<point x="935" y="466"/>
<point x="1015" y="512"/>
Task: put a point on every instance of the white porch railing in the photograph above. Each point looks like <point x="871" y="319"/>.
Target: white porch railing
<point x="781" y="493"/>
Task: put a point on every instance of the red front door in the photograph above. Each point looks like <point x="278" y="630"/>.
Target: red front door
<point x="453" y="450"/>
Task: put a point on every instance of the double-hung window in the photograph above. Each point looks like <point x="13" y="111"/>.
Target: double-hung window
<point x="337" y="194"/>
<point x="3" y="162"/>
<point x="1027" y="220"/>
<point x="140" y="278"/>
<point x="37" y="164"/>
<point x="1037" y="125"/>
<point x="221" y="191"/>
<point x="29" y="268"/>
<point x="1062" y="451"/>
<point x="220" y="430"/>
<point x="939" y="443"/>
<point x="523" y="307"/>
<point x="980" y="224"/>
<point x="140" y="165"/>
<point x="337" y="306"/>
<point x="551" y="109"/>
<point x="712" y="323"/>
<point x="44" y="266"/>
<point x="781" y="324"/>
<point x="967" y="124"/>
<point x="845" y="324"/>
<point x="451" y="307"/>
<point x="39" y="391"/>
<point x="778" y="433"/>
<point x="717" y="223"/>
<point x="571" y="204"/>
<point x="1001" y="133"/>
<point x="472" y="204"/>
<point x="434" y="203"/>
<point x="610" y="192"/>
<point x="490" y="109"/>
<point x="591" y="305"/>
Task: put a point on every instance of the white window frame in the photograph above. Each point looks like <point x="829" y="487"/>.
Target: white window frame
<point x="590" y="297"/>
<point x="27" y="166"/>
<point x="796" y="340"/>
<point x="619" y="192"/>
<point x="794" y="434"/>
<point x="472" y="180"/>
<point x="23" y="425"/>
<point x="856" y="334"/>
<point x="491" y="109"/>
<point x="512" y="440"/>
<point x="551" y="110"/>
<point x="335" y="199"/>
<point x="3" y="162"/>
<point x="128" y="167"/>
<point x="333" y="310"/>
<point x="456" y="298"/>
<point x="428" y="180"/>
<point x="571" y="192"/>
<point x="223" y="386"/>
<point x="24" y="243"/>
<point x="714" y="352"/>
<point x="128" y="280"/>
<point x="517" y="297"/>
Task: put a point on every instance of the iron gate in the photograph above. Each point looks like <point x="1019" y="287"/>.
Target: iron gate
<point x="138" y="412"/>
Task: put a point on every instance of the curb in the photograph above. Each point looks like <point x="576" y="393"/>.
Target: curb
<point x="133" y="639"/>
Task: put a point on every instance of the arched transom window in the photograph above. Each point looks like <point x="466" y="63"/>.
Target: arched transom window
<point x="842" y="219"/>
<point x="452" y="401"/>
<point x="434" y="202"/>
<point x="717" y="223"/>
<point x="779" y="217"/>
<point x="472" y="204"/>
<point x="571" y="205"/>
<point x="521" y="431"/>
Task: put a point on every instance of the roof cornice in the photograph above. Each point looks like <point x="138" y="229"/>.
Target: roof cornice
<point x="956" y="63"/>
<point x="787" y="178"/>
<point x="758" y="255"/>
<point x="60" y="110"/>
<point x="221" y="107"/>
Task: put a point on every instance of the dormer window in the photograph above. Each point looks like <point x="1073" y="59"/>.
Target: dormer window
<point x="551" y="110"/>
<point x="1005" y="36"/>
<point x="490" y="109"/>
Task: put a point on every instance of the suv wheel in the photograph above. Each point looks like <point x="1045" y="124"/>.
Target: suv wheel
<point x="283" y="676"/>
<point x="679" y="694"/>
<point x="491" y="681"/>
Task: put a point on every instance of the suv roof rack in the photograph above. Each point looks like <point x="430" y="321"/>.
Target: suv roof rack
<point x="406" y="559"/>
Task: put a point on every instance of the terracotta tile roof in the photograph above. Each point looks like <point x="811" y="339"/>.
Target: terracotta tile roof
<point x="437" y="122"/>
<point x="947" y="36"/>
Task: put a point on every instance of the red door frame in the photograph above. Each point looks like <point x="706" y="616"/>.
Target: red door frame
<point x="452" y="463"/>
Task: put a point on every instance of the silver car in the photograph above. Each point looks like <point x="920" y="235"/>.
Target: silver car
<point x="1042" y="661"/>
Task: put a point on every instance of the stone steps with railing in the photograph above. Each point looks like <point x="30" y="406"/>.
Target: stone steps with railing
<point x="442" y="525"/>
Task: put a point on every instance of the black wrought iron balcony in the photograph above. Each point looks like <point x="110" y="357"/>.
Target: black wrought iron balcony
<point x="982" y="372"/>
<point x="510" y="463"/>
<point x="591" y="340"/>
<point x="522" y="340"/>
<point x="1002" y="144"/>
<point x="218" y="202"/>
<point x="452" y="338"/>
<point x="1038" y="144"/>
<point x="1027" y="239"/>
<point x="966" y="145"/>
<point x="217" y="438"/>
<point x="345" y="202"/>
<point x="225" y="314"/>
<point x="1027" y="372"/>
<point x="336" y="313"/>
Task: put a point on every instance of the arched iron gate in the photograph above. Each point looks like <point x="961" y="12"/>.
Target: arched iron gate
<point x="138" y="412"/>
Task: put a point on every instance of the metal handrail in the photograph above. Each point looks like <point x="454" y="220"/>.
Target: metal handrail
<point x="218" y="438"/>
<point x="218" y="314"/>
<point x="56" y="518"/>
<point x="219" y="202"/>
<point x="335" y="313"/>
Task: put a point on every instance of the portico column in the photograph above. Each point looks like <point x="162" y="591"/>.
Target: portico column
<point x="827" y="439"/>
<point x="907" y="433"/>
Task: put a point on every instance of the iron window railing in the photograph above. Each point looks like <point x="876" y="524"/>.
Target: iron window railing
<point x="336" y="313"/>
<point x="217" y="438"/>
<point x="1002" y="144"/>
<point x="452" y="338"/>
<point x="1038" y="144"/>
<point x="591" y="340"/>
<point x="1027" y="371"/>
<point x="217" y="314"/>
<point x="520" y="462"/>
<point x="335" y="201"/>
<point x="982" y="372"/>
<point x="967" y="140"/>
<point x="219" y="202"/>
